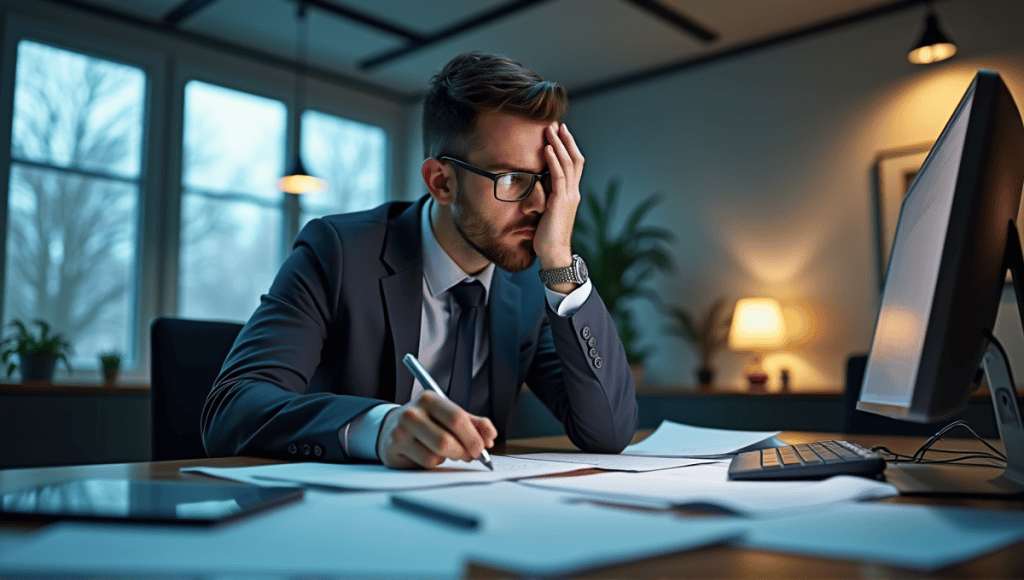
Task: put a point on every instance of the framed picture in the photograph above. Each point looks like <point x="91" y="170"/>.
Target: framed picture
<point x="893" y="172"/>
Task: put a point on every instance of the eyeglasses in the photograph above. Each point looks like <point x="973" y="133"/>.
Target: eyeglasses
<point x="509" y="186"/>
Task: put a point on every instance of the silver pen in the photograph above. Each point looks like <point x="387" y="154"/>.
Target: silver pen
<point x="427" y="381"/>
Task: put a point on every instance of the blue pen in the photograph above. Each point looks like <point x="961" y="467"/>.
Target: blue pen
<point x="427" y="381"/>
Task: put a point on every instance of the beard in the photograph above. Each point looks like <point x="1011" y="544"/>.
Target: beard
<point x="484" y="237"/>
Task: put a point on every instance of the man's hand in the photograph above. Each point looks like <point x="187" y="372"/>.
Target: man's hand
<point x="429" y="429"/>
<point x="553" y="240"/>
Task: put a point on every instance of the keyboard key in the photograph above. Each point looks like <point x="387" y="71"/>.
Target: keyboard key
<point x="805" y="453"/>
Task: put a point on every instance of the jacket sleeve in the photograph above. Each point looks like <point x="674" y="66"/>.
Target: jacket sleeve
<point x="579" y="371"/>
<point x="258" y="404"/>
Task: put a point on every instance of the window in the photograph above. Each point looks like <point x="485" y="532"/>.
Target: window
<point x="350" y="156"/>
<point x="73" y="198"/>
<point x="231" y="211"/>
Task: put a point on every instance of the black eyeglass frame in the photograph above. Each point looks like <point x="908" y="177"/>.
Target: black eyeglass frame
<point x="496" y="176"/>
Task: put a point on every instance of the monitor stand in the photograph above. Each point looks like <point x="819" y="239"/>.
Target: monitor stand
<point x="952" y="479"/>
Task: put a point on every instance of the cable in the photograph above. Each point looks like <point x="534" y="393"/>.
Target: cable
<point x="919" y="456"/>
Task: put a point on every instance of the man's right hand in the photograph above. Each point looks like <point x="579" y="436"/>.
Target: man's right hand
<point x="429" y="429"/>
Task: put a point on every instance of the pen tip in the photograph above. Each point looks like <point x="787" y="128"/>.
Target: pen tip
<point x="489" y="466"/>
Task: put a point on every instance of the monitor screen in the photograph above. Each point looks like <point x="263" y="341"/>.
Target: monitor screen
<point x="947" y="269"/>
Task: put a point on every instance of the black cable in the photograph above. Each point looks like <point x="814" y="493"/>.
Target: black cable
<point x="919" y="455"/>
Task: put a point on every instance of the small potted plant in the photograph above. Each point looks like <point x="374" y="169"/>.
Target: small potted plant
<point x="707" y="336"/>
<point x="37" y="357"/>
<point x="111" y="363"/>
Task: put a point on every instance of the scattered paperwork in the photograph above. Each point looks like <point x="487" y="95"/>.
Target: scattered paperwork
<point x="343" y="535"/>
<point x="677" y="440"/>
<point x="911" y="536"/>
<point x="707" y="485"/>
<point x="615" y="462"/>
<point x="364" y="476"/>
<point x="535" y="532"/>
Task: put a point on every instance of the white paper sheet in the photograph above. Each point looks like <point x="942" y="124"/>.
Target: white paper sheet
<point x="707" y="485"/>
<point x="536" y="532"/>
<point x="677" y="440"/>
<point x="615" y="462"/>
<point x="911" y="536"/>
<point x="334" y="535"/>
<point x="361" y="476"/>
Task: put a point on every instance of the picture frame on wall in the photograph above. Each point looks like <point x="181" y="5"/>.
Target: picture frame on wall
<point x="893" y="172"/>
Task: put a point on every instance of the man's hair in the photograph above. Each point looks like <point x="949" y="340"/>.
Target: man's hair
<point x="480" y="82"/>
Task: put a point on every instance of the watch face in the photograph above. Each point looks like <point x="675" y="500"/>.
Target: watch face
<point x="581" y="270"/>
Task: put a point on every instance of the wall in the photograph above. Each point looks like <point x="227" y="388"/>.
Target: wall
<point x="765" y="160"/>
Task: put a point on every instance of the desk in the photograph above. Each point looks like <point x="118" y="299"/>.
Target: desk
<point x="711" y="562"/>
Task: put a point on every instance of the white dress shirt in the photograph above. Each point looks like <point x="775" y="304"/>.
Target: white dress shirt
<point x="440" y="273"/>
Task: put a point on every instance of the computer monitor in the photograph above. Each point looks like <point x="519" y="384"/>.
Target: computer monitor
<point x="955" y="240"/>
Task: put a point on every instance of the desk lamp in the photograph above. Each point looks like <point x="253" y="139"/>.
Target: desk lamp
<point x="757" y="326"/>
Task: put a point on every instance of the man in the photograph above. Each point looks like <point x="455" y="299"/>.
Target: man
<point x="317" y="372"/>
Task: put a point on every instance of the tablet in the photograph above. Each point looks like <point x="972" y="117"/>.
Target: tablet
<point x="177" y="502"/>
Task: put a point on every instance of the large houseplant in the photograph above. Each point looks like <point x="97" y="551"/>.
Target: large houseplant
<point x="621" y="263"/>
<point x="37" y="357"/>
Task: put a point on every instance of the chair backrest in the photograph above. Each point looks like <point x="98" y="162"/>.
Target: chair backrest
<point x="187" y="356"/>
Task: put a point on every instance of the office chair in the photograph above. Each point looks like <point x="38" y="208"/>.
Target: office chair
<point x="186" y="358"/>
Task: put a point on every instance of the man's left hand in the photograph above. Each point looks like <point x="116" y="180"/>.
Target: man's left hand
<point x="553" y="240"/>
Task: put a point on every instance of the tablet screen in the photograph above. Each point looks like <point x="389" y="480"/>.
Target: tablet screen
<point x="194" y="503"/>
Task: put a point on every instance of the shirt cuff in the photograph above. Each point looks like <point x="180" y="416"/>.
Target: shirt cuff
<point x="568" y="304"/>
<point x="359" y="436"/>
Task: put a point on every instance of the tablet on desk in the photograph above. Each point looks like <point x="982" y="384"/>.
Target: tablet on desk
<point x="123" y="500"/>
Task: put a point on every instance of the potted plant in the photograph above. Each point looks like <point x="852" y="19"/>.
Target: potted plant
<point x="621" y="264"/>
<point x="111" y="363"/>
<point x="37" y="357"/>
<point x="707" y="336"/>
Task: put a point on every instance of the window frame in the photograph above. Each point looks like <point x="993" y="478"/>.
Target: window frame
<point x="169" y="61"/>
<point x="17" y="28"/>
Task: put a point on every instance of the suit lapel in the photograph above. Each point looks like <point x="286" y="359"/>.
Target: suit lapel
<point x="504" y="302"/>
<point x="403" y="291"/>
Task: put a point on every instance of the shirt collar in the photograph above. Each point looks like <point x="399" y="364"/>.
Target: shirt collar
<point x="439" y="270"/>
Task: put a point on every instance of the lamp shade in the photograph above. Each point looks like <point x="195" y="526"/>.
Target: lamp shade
<point x="298" y="180"/>
<point x="757" y="324"/>
<point x="933" y="46"/>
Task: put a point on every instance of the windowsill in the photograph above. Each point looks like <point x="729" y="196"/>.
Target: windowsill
<point x="75" y="388"/>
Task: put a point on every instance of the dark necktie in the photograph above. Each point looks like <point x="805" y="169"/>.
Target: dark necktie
<point x="468" y="296"/>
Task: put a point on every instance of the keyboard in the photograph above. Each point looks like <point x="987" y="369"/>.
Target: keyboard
<point x="806" y="461"/>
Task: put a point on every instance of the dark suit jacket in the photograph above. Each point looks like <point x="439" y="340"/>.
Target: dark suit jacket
<point x="327" y="341"/>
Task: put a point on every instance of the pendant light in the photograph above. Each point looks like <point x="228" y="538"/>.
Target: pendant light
<point x="934" y="46"/>
<point x="297" y="179"/>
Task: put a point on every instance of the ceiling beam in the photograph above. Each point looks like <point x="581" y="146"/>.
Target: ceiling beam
<point x="677" y="19"/>
<point x="743" y="49"/>
<point x="464" y="26"/>
<point x="185" y="10"/>
<point x="363" y="18"/>
<point x="241" y="51"/>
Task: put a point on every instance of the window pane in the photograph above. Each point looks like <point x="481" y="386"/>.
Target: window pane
<point x="234" y="141"/>
<point x="72" y="237"/>
<point x="350" y="156"/>
<point x="71" y="259"/>
<point x="72" y="110"/>
<point x="229" y="256"/>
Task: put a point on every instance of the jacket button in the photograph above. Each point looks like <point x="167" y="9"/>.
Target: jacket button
<point x="593" y="353"/>
<point x="592" y="342"/>
<point x="293" y="449"/>
<point x="317" y="450"/>
<point x="305" y="449"/>
<point x="597" y="362"/>
<point x="585" y="333"/>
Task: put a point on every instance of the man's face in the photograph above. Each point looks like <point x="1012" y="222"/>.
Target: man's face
<point x="501" y="231"/>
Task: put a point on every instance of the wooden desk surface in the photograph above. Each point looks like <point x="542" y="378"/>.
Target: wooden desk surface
<point x="709" y="562"/>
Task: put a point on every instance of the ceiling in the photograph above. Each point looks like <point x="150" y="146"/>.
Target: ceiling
<point x="395" y="46"/>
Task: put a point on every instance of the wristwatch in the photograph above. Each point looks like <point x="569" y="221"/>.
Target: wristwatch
<point x="577" y="273"/>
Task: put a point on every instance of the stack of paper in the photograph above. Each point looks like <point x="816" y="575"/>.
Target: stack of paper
<point x="362" y="476"/>
<point x="678" y="440"/>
